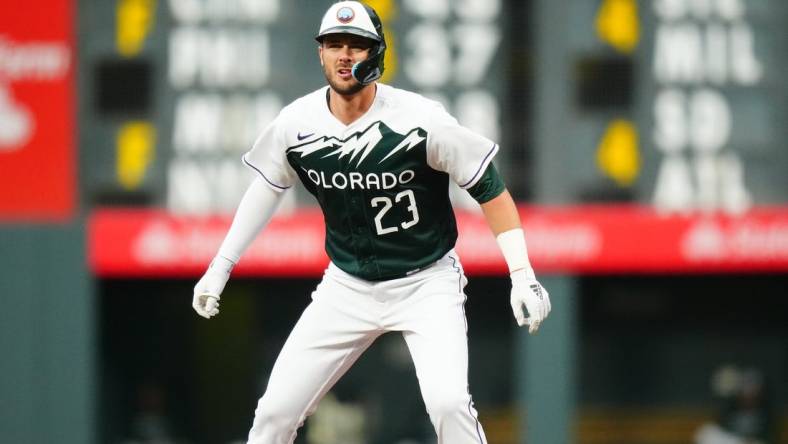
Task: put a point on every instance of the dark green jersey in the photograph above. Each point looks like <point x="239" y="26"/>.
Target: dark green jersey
<point x="382" y="181"/>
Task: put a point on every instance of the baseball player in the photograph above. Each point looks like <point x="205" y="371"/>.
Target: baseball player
<point x="379" y="161"/>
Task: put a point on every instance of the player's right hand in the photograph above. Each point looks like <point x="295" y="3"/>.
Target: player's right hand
<point x="206" y="305"/>
<point x="208" y="290"/>
<point x="528" y="292"/>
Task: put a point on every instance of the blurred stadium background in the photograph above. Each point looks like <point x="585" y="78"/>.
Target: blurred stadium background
<point x="645" y="141"/>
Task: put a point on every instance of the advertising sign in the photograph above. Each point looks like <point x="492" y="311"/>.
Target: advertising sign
<point x="37" y="158"/>
<point x="585" y="239"/>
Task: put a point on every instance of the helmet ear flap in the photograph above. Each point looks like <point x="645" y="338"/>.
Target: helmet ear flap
<point x="371" y="69"/>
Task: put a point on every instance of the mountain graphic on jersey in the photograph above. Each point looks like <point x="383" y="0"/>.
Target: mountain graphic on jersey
<point x="377" y="143"/>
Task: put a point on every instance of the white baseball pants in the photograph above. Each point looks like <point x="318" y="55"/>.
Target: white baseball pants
<point x="346" y="315"/>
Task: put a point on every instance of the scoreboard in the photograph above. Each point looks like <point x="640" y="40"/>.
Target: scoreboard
<point x="675" y="104"/>
<point x="713" y="104"/>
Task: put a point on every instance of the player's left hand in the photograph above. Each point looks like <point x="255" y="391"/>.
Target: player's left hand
<point x="528" y="293"/>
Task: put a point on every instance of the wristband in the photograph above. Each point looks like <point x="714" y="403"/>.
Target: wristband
<point x="221" y="264"/>
<point x="515" y="252"/>
<point x="522" y="275"/>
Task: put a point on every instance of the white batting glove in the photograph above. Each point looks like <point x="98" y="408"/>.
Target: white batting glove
<point x="528" y="292"/>
<point x="208" y="290"/>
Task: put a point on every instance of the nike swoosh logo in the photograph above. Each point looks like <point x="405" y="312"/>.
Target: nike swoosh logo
<point x="300" y="137"/>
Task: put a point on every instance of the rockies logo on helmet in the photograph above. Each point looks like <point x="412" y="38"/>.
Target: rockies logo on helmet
<point x="352" y="17"/>
<point x="345" y="15"/>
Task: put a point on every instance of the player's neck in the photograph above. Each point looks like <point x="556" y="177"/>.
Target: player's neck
<point x="349" y="108"/>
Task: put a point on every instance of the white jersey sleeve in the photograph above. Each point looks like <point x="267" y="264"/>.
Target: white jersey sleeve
<point x="456" y="150"/>
<point x="268" y="159"/>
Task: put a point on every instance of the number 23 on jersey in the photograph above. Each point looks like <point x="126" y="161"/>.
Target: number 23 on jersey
<point x="385" y="204"/>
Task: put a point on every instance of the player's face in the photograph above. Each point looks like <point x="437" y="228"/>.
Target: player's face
<point x="338" y="54"/>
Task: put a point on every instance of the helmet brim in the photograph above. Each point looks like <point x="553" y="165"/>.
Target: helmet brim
<point x="348" y="30"/>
